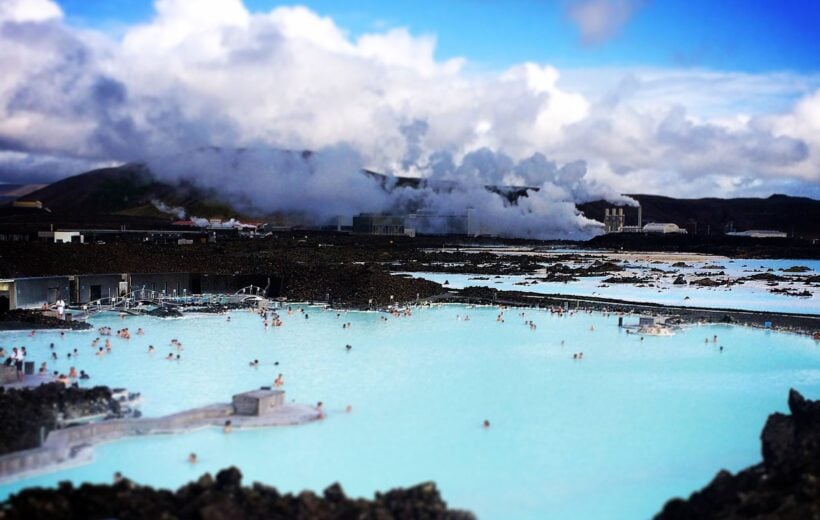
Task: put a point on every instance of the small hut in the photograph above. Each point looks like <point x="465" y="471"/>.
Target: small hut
<point x="258" y="402"/>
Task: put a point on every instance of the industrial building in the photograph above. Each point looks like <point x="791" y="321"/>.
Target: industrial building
<point x="430" y="223"/>
<point x="378" y="224"/>
<point x="615" y="221"/>
<point x="427" y="222"/>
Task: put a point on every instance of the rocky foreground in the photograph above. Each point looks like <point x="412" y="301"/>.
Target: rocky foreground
<point x="25" y="411"/>
<point x="785" y="485"/>
<point x="221" y="498"/>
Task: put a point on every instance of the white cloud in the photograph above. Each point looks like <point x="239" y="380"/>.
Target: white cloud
<point x="194" y="77"/>
<point x="29" y="11"/>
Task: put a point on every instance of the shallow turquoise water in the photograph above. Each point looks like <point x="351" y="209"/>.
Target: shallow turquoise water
<point x="612" y="436"/>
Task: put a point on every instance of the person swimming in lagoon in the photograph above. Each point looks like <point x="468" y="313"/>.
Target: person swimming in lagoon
<point x="280" y="380"/>
<point x="228" y="427"/>
<point x="192" y="458"/>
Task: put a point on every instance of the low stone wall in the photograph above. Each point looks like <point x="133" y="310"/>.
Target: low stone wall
<point x="802" y="323"/>
<point x="71" y="446"/>
<point x="8" y="375"/>
<point x="113" y="429"/>
<point x="22" y="463"/>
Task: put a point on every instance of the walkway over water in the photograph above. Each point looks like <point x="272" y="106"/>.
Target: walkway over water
<point x="142" y="301"/>
<point x="73" y="446"/>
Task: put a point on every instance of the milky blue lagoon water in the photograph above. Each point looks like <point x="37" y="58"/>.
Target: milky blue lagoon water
<point x="612" y="436"/>
<point x="751" y="295"/>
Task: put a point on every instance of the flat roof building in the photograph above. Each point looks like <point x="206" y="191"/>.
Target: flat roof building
<point x="663" y="228"/>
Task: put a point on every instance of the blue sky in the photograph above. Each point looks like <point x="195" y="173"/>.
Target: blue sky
<point x="738" y="35"/>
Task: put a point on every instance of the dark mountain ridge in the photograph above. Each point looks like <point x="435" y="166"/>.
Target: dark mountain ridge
<point x="130" y="192"/>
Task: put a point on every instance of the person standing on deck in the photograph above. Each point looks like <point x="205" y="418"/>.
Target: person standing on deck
<point x="21" y="358"/>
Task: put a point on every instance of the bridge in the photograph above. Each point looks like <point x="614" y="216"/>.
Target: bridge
<point x="141" y="301"/>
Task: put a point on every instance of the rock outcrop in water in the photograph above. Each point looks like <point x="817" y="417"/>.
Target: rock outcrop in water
<point x="24" y="319"/>
<point x="25" y="411"/>
<point x="785" y="485"/>
<point x="221" y="498"/>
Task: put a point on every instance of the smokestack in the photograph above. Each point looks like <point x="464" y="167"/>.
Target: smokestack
<point x="606" y="212"/>
<point x="640" y="216"/>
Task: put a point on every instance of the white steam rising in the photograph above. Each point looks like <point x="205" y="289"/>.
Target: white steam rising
<point x="328" y="184"/>
<point x="176" y="211"/>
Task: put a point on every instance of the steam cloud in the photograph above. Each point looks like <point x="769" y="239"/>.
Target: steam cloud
<point x="215" y="94"/>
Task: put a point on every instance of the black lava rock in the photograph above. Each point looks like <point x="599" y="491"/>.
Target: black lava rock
<point x="23" y="412"/>
<point x="785" y="485"/>
<point x="219" y="499"/>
